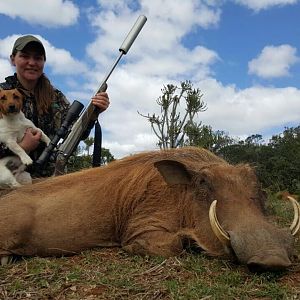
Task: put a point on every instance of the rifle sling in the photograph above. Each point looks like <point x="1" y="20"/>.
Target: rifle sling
<point x="97" y="145"/>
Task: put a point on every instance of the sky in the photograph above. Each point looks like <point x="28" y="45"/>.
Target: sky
<point x="242" y="54"/>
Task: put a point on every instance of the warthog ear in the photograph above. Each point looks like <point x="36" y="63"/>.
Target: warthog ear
<point x="173" y="172"/>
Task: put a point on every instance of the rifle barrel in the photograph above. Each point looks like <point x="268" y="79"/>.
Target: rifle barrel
<point x="91" y="112"/>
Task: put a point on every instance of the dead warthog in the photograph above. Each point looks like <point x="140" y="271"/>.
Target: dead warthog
<point x="152" y="203"/>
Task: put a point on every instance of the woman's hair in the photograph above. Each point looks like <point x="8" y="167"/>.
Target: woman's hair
<point x="44" y="92"/>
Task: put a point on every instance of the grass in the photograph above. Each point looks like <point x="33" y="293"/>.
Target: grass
<point x="113" y="274"/>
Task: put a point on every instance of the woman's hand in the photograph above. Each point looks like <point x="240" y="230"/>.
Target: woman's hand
<point x="101" y="100"/>
<point x="31" y="139"/>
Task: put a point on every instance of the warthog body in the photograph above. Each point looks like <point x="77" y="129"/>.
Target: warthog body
<point x="152" y="203"/>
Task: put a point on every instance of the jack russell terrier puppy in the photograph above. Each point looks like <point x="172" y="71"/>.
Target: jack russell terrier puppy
<point x="13" y="125"/>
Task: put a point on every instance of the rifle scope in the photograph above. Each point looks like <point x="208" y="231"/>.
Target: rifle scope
<point x="72" y="115"/>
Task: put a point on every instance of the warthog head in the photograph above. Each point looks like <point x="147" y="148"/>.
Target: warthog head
<point x="236" y="213"/>
<point x="237" y="219"/>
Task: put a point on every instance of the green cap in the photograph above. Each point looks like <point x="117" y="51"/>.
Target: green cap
<point x="24" y="40"/>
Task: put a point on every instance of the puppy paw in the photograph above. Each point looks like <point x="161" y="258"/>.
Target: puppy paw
<point x="16" y="185"/>
<point x="46" y="140"/>
<point x="26" y="160"/>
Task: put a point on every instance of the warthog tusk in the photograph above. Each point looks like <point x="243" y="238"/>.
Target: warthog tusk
<point x="296" y="222"/>
<point x="220" y="233"/>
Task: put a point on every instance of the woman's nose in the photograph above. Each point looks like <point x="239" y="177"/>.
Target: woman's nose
<point x="31" y="61"/>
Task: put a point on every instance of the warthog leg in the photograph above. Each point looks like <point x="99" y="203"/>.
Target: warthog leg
<point x="155" y="243"/>
<point x="164" y="243"/>
<point x="6" y="258"/>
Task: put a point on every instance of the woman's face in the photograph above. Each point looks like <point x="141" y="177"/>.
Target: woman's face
<point x="29" y="63"/>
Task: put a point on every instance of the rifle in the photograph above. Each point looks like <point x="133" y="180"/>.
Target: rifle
<point x="73" y="136"/>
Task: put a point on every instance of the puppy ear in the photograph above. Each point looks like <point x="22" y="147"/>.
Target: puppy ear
<point x="16" y="91"/>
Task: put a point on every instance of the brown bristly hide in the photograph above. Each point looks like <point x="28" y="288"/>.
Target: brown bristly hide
<point x="151" y="203"/>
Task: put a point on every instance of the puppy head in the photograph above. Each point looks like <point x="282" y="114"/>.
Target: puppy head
<point x="11" y="101"/>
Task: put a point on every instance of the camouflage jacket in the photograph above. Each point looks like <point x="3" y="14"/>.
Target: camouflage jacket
<point x="49" y="122"/>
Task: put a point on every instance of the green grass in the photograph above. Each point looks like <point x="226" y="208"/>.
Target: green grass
<point x="281" y="208"/>
<point x="113" y="274"/>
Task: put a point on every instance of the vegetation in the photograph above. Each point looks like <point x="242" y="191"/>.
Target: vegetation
<point x="82" y="159"/>
<point x="205" y="137"/>
<point x="170" y="127"/>
<point x="277" y="162"/>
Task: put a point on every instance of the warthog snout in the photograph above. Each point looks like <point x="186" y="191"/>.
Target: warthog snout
<point x="269" y="260"/>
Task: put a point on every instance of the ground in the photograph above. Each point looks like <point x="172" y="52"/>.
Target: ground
<point x="113" y="274"/>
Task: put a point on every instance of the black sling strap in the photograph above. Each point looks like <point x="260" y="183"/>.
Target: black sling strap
<point x="97" y="145"/>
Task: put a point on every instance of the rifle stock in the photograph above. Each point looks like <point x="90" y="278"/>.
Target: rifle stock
<point x="90" y="114"/>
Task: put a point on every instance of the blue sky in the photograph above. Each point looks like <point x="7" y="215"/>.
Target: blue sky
<point x="242" y="54"/>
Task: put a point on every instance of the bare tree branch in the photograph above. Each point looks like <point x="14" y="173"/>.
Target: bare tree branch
<point x="170" y="127"/>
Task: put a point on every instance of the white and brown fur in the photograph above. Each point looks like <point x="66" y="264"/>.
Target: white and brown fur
<point x="13" y="125"/>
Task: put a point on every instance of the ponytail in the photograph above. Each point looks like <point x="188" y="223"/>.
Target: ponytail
<point x="44" y="94"/>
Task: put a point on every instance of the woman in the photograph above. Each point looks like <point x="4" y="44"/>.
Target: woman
<point x="43" y="104"/>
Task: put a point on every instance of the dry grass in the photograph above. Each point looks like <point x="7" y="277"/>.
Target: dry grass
<point x="112" y="274"/>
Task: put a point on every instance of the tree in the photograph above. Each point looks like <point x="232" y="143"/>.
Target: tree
<point x="88" y="143"/>
<point x="277" y="163"/>
<point x="254" y="139"/>
<point x="79" y="160"/>
<point x="106" y="156"/>
<point x="285" y="161"/>
<point x="204" y="136"/>
<point x="170" y="127"/>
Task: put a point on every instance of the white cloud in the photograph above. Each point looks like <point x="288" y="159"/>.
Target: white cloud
<point x="61" y="61"/>
<point x="159" y="45"/>
<point x="6" y="46"/>
<point x="5" y="50"/>
<point x="274" y="61"/>
<point x="184" y="15"/>
<point x="141" y="142"/>
<point x="47" y="13"/>
<point x="258" y="5"/>
<point x="252" y="110"/>
<point x="6" y="69"/>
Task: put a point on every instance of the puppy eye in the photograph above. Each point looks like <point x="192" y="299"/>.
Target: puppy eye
<point x="3" y="97"/>
<point x="16" y="97"/>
